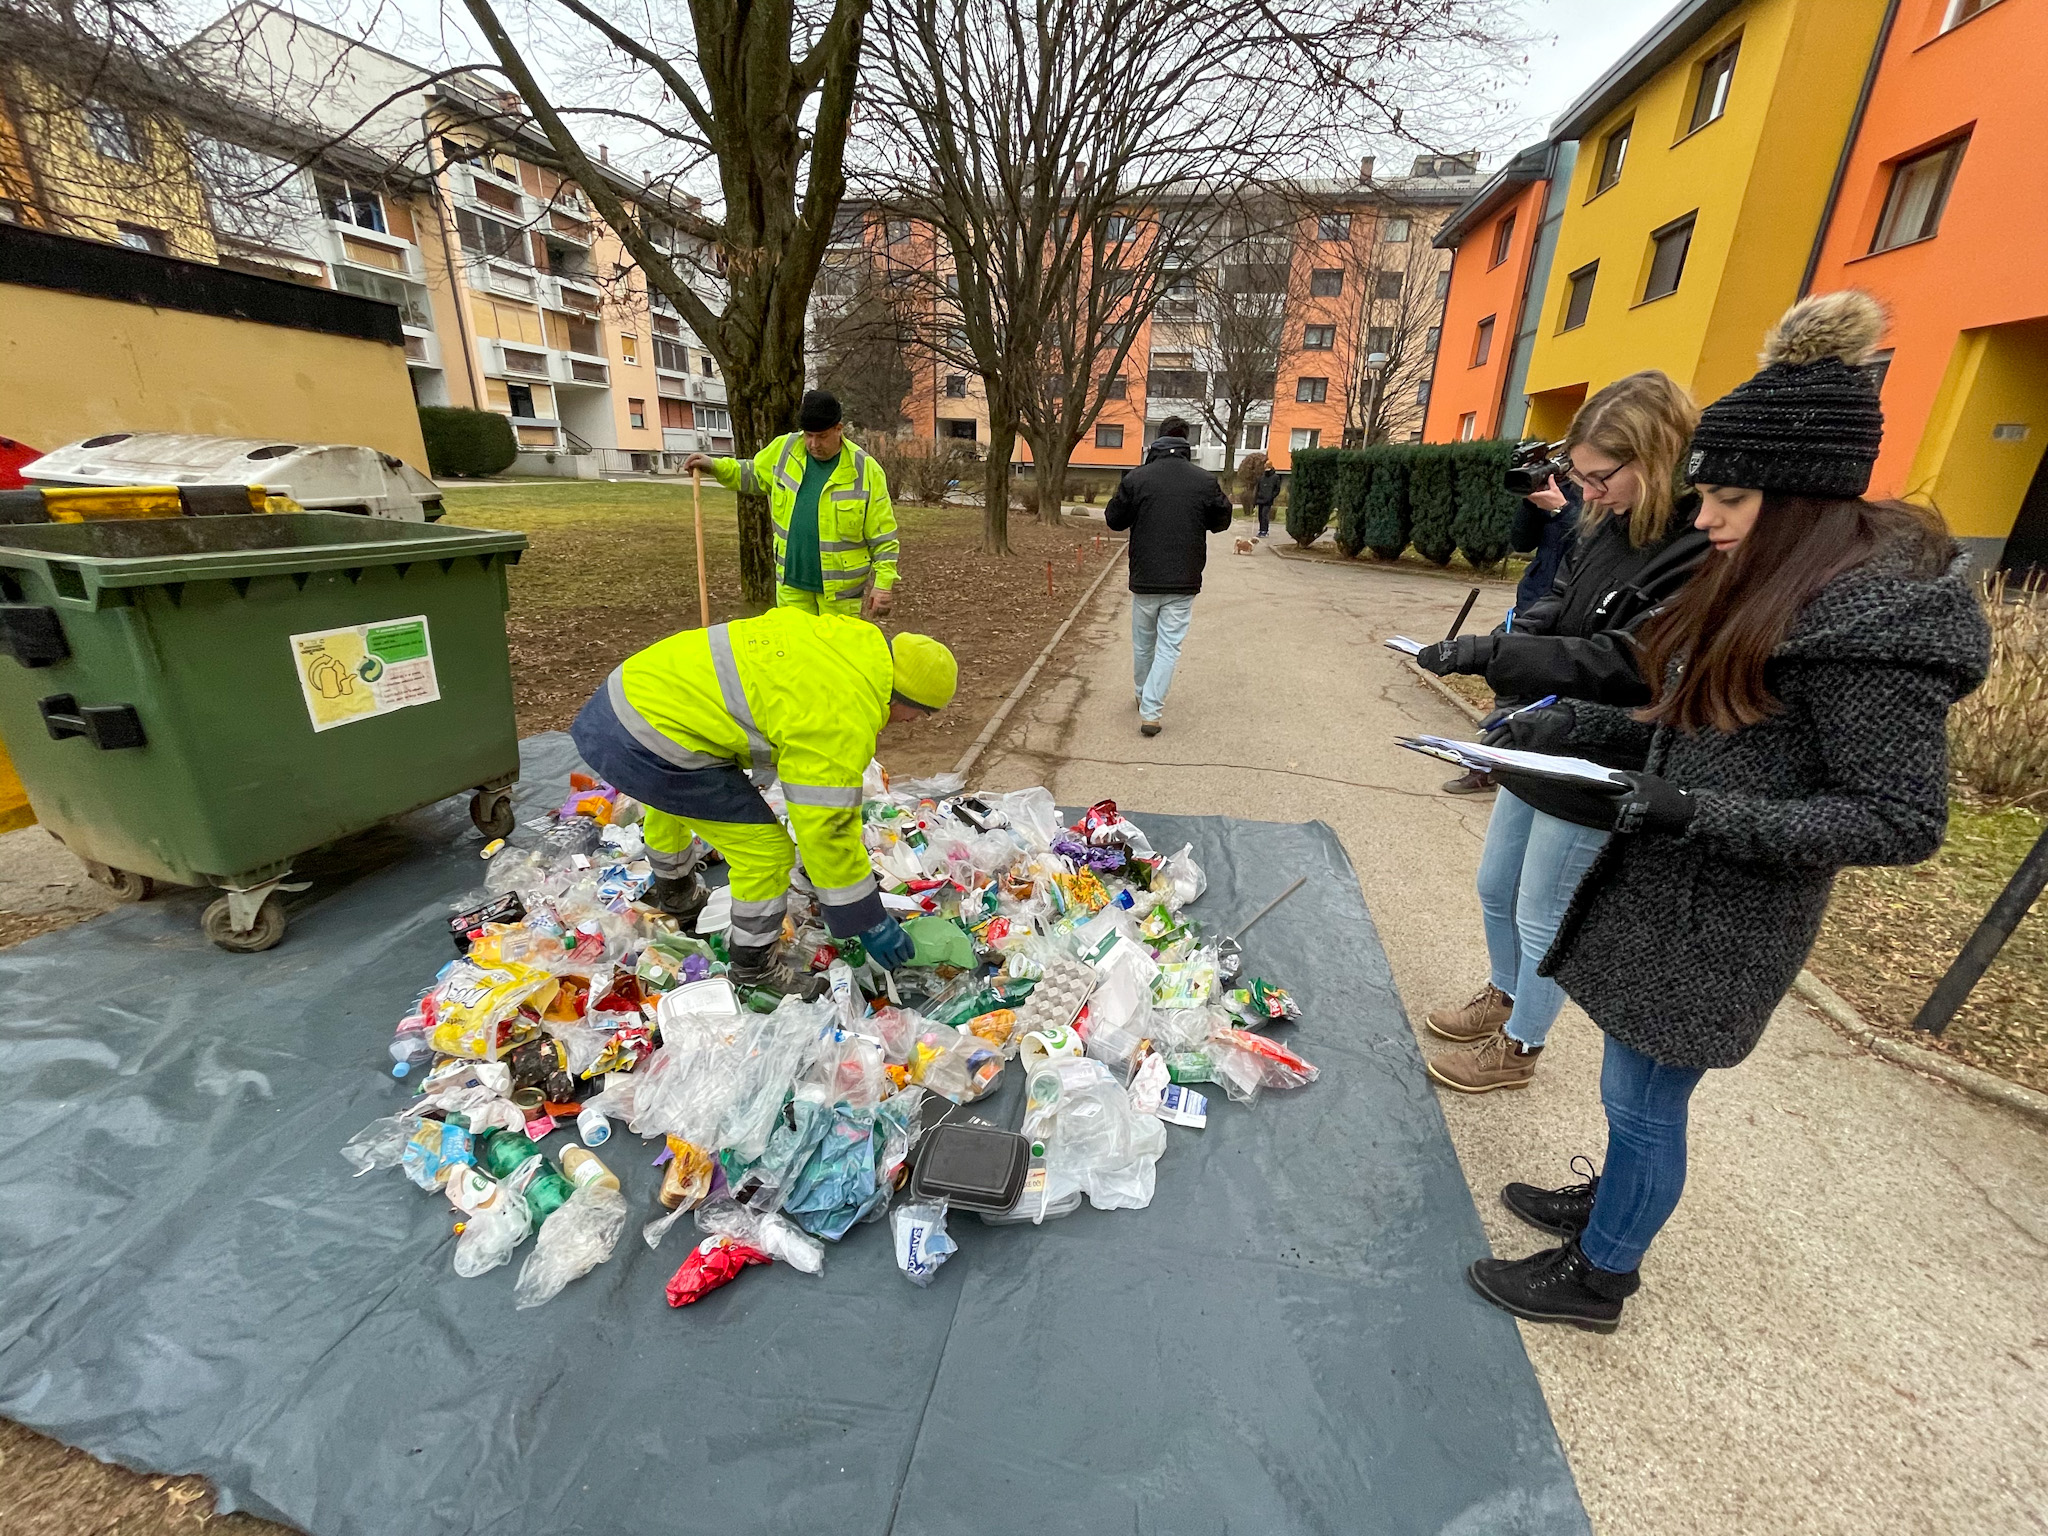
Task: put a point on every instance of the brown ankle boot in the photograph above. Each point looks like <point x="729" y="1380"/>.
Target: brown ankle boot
<point x="1484" y="1065"/>
<point x="1475" y="1020"/>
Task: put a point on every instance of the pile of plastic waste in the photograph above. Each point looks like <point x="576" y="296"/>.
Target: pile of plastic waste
<point x="1062" y="953"/>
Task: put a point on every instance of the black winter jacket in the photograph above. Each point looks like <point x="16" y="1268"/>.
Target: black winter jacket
<point x="1545" y="536"/>
<point x="1579" y="642"/>
<point x="1680" y="946"/>
<point x="1170" y="505"/>
<point x="1268" y="490"/>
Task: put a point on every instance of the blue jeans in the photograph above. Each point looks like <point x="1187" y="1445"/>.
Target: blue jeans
<point x="1159" y="622"/>
<point x="1527" y="876"/>
<point x="1645" y="1173"/>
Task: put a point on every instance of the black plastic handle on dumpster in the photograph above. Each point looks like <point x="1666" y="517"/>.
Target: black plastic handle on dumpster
<point x="109" y="727"/>
<point x="32" y="635"/>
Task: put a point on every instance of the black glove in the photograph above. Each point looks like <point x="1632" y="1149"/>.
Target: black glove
<point x="1548" y="729"/>
<point x="1467" y="653"/>
<point x="1653" y="804"/>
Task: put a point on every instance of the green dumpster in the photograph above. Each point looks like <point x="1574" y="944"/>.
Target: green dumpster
<point x="200" y="700"/>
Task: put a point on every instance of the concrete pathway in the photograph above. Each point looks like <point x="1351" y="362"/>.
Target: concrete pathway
<point x="1845" y="1326"/>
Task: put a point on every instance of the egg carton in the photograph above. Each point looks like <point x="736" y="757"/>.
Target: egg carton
<point x="1062" y="992"/>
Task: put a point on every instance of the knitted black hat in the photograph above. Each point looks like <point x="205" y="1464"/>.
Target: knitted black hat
<point x="819" y="412"/>
<point x="1809" y="423"/>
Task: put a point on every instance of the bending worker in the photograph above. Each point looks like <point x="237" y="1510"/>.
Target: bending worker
<point x="694" y="724"/>
<point x="835" y="532"/>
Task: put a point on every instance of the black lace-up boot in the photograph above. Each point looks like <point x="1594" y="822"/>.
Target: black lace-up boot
<point x="1558" y="1285"/>
<point x="1560" y="1212"/>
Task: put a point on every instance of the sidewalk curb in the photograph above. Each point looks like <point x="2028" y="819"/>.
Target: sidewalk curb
<point x="1838" y="1011"/>
<point x="996" y="721"/>
<point x="1464" y="705"/>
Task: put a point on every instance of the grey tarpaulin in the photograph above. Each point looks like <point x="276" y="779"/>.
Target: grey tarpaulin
<point x="190" y="1280"/>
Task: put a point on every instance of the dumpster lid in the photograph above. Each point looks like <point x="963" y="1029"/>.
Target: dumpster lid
<point x="156" y="552"/>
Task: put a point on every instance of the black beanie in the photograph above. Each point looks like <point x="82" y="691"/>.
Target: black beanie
<point x="1809" y="423"/>
<point x="819" y="411"/>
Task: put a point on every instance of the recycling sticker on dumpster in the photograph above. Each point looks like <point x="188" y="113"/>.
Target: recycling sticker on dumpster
<point x="365" y="670"/>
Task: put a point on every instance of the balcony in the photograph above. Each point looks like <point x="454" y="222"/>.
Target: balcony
<point x="422" y="349"/>
<point x="568" y="368"/>
<point x="354" y="246"/>
<point x="576" y="294"/>
<point x="710" y="391"/>
<point x="525" y="362"/>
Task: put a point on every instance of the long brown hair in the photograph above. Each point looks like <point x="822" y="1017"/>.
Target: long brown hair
<point x="1739" y="607"/>
<point x="1645" y="420"/>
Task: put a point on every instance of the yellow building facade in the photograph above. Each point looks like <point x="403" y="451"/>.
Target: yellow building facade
<point x="1702" y="178"/>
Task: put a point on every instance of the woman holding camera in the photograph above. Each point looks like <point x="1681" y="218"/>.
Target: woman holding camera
<point x="1635" y="546"/>
<point x="1798" y="723"/>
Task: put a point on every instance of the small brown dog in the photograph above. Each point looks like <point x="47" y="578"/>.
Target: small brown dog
<point x="1247" y="547"/>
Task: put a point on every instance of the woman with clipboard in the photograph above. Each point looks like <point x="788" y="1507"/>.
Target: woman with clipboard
<point x="1801" y="686"/>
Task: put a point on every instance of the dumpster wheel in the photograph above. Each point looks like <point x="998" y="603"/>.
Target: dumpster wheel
<point x="491" y="810"/>
<point x="264" y="933"/>
<point x="126" y="884"/>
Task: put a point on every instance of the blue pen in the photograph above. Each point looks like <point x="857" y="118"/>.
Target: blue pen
<point x="1543" y="703"/>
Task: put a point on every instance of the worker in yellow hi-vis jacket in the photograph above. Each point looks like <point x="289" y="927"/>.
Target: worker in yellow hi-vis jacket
<point x="835" y="531"/>
<point x="694" y="724"/>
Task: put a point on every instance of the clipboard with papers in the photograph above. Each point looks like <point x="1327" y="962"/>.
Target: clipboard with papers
<point x="1540" y="765"/>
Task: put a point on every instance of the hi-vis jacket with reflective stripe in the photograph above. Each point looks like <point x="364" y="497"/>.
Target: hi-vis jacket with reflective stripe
<point x="856" y="524"/>
<point x="790" y="694"/>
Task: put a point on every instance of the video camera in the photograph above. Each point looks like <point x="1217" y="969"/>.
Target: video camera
<point x="1533" y="464"/>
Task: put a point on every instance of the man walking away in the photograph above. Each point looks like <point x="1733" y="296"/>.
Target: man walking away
<point x="835" y="531"/>
<point x="1267" y="493"/>
<point x="1169" y="505"/>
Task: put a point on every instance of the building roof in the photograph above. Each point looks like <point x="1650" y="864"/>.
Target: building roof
<point x="1525" y="166"/>
<point x="1664" y="42"/>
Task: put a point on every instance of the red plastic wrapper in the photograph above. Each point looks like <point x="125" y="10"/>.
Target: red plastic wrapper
<point x="712" y="1263"/>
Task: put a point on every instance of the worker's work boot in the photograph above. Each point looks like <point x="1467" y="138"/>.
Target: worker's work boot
<point x="1486" y="1065"/>
<point x="1475" y="1020"/>
<point x="680" y="897"/>
<point x="755" y="968"/>
<point x="1560" y="1212"/>
<point x="1559" y="1285"/>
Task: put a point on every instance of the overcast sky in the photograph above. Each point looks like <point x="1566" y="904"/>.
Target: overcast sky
<point x="1583" y="38"/>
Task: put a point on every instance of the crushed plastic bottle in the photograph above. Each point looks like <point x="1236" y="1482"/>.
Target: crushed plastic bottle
<point x="497" y="1221"/>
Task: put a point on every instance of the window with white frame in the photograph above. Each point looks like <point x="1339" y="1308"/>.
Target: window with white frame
<point x="1304" y="437"/>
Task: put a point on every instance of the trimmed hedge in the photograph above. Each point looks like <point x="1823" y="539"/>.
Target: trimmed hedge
<point x="1485" y="510"/>
<point x="472" y="444"/>
<point x="1385" y="527"/>
<point x="1353" y="483"/>
<point x="1432" y="503"/>
<point x="1310" y="484"/>
<point x="1443" y="498"/>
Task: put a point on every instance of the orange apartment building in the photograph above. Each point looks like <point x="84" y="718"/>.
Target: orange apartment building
<point x="1941" y="210"/>
<point x="1498" y="258"/>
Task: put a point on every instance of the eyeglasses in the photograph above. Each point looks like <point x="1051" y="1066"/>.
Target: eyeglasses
<point x="1597" y="484"/>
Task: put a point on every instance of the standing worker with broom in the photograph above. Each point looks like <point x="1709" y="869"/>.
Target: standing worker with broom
<point x="835" y="531"/>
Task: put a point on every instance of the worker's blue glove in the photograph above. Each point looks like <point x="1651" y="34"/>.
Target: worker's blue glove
<point x="887" y="944"/>
<point x="1653" y="804"/>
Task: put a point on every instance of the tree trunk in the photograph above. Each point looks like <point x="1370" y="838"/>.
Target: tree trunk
<point x="995" y="487"/>
<point x="760" y="413"/>
<point x="1052" y="485"/>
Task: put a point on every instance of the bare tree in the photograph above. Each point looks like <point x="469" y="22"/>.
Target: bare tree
<point x="1397" y="313"/>
<point x="863" y="342"/>
<point x="1036" y="136"/>
<point x="761" y="95"/>
<point x="1238" y="308"/>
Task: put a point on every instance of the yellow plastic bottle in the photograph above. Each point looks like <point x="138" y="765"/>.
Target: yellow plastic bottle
<point x="583" y="1169"/>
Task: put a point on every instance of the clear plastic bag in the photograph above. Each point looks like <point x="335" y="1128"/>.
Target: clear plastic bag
<point x="496" y="1221"/>
<point x="776" y="1236"/>
<point x="1033" y="814"/>
<point x="380" y="1144"/>
<point x="1094" y="1141"/>
<point x="1183" y="877"/>
<point x="571" y="1243"/>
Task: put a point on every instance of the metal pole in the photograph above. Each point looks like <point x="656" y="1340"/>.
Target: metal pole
<point x="2020" y="891"/>
<point x="703" y="586"/>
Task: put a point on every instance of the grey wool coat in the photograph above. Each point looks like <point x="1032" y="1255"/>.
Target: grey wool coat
<point x="1679" y="946"/>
